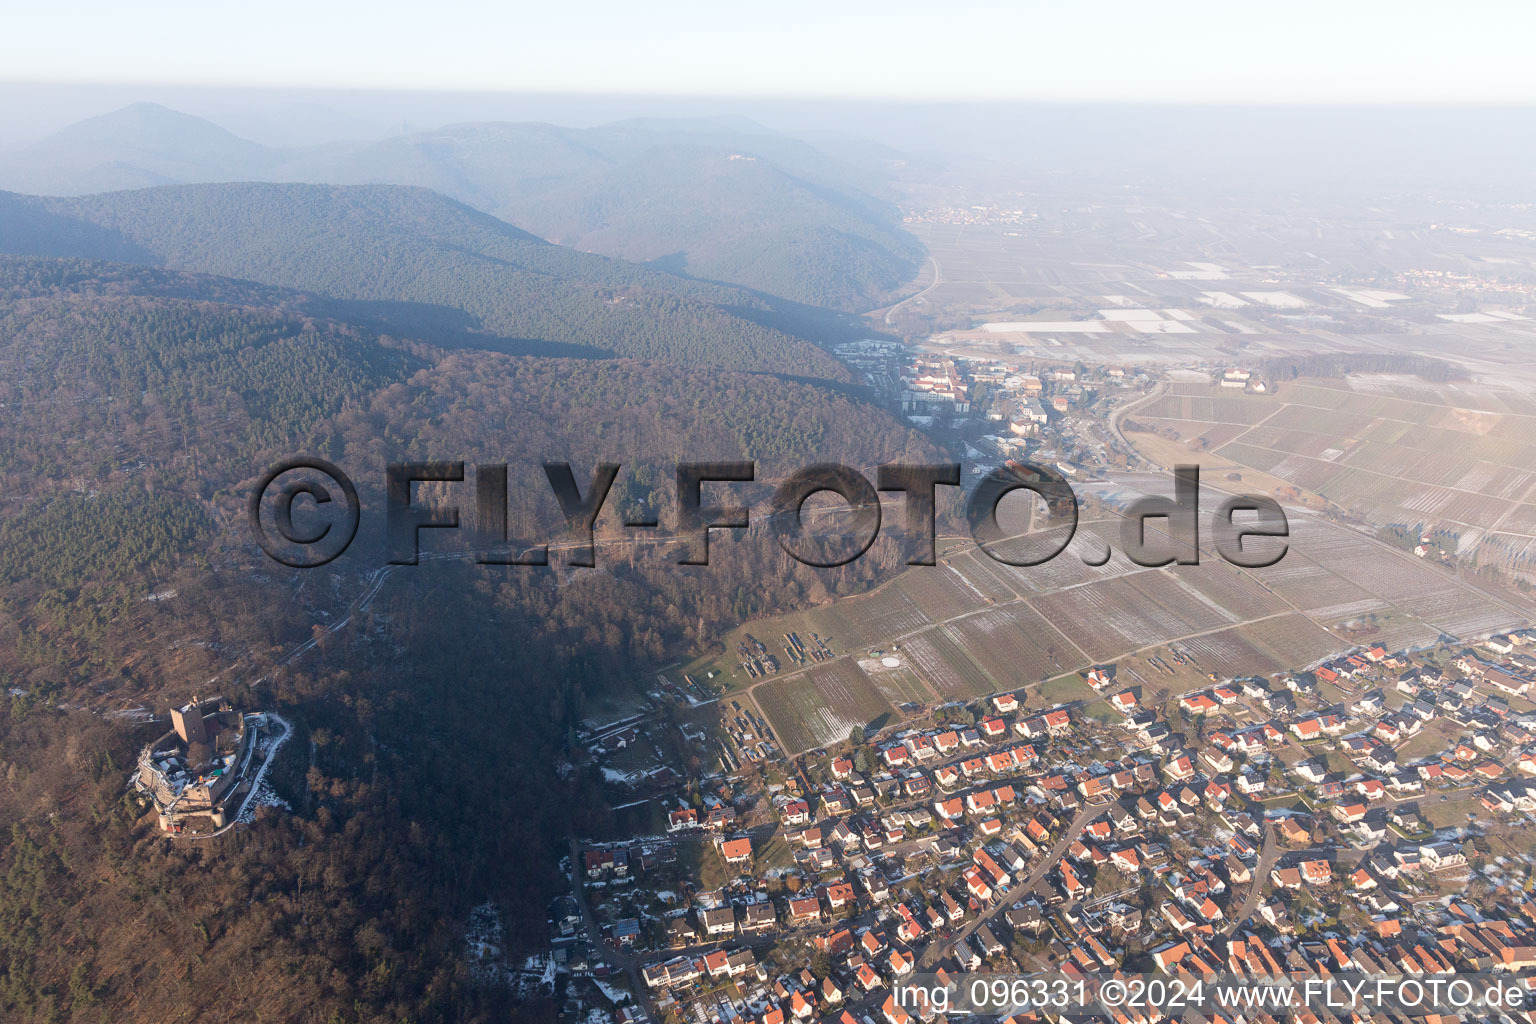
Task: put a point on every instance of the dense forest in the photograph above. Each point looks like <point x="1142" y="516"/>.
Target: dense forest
<point x="741" y="219"/>
<point x="417" y="256"/>
<point x="435" y="765"/>
<point x="720" y="199"/>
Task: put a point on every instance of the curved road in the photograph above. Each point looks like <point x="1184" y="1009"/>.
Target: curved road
<point x="938" y="279"/>
<point x="1119" y="413"/>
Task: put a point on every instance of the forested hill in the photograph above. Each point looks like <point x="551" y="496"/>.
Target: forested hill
<point x="740" y="218"/>
<point x="719" y="199"/>
<point x="419" y="258"/>
<point x="753" y="208"/>
<point x="435" y="765"/>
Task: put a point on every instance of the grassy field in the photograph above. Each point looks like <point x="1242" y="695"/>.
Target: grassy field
<point x="1445" y="813"/>
<point x="1426" y="744"/>
<point x="1070" y="686"/>
<point x="773" y="852"/>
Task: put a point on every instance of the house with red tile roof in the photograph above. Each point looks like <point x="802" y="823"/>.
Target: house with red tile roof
<point x="1198" y="704"/>
<point x="1316" y="872"/>
<point x="1307" y="729"/>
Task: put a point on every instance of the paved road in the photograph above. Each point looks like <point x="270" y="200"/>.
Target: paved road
<point x="628" y="963"/>
<point x="938" y="279"/>
<point x="1119" y="413"/>
<point x="1268" y="855"/>
<point x="1052" y="857"/>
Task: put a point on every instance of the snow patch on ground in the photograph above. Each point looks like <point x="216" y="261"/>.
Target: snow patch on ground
<point x="485" y="952"/>
<point x="261" y="794"/>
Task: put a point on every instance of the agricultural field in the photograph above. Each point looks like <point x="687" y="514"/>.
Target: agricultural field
<point x="1394" y="450"/>
<point x="1068" y="569"/>
<point x="985" y="575"/>
<point x="898" y="684"/>
<point x="1123" y="614"/>
<point x="949" y="670"/>
<point x="858" y="622"/>
<point x="1208" y="405"/>
<point x="1015" y="645"/>
<point x="1305" y="584"/>
<point x="972" y="626"/>
<point x="941" y="592"/>
<point x="1231" y="589"/>
<point x="1293" y="641"/>
<point x="823" y="705"/>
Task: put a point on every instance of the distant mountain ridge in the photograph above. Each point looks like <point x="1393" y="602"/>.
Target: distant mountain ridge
<point x="140" y="145"/>
<point x="718" y="199"/>
<point x="415" y="257"/>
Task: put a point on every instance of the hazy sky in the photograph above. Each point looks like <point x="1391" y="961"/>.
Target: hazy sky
<point x="1129" y="50"/>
